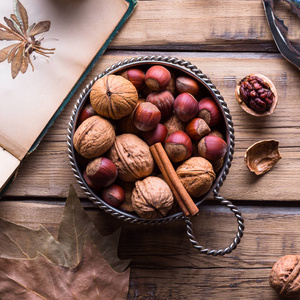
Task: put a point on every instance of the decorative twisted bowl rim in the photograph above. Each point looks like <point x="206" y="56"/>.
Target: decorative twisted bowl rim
<point x="181" y="65"/>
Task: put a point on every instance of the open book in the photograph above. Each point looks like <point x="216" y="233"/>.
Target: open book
<point x="80" y="31"/>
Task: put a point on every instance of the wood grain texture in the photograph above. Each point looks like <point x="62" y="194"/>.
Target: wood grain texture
<point x="47" y="171"/>
<point x="203" y="25"/>
<point x="164" y="264"/>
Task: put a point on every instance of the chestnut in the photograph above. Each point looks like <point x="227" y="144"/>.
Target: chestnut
<point x="209" y="111"/>
<point x="163" y="101"/>
<point x="113" y="195"/>
<point x="146" y="116"/>
<point x="178" y="146"/>
<point x="216" y="132"/>
<point x="157" y="78"/>
<point x="86" y="112"/>
<point x="156" y="135"/>
<point x="90" y="183"/>
<point x="135" y="76"/>
<point x="185" y="107"/>
<point x="101" y="172"/>
<point x="197" y="129"/>
<point x="185" y="84"/>
<point x="212" y="147"/>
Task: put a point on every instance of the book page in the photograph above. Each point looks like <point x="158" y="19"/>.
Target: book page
<point x="78" y="30"/>
<point x="8" y="165"/>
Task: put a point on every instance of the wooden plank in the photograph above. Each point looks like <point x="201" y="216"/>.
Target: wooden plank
<point x="202" y="25"/>
<point x="47" y="171"/>
<point x="164" y="264"/>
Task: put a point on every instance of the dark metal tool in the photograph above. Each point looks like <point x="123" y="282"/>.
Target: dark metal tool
<point x="279" y="31"/>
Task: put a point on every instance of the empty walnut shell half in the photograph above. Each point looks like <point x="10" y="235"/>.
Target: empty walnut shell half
<point x="256" y="95"/>
<point x="285" y="275"/>
<point x="262" y="156"/>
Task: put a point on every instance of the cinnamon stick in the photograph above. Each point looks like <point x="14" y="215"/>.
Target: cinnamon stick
<point x="171" y="174"/>
<point x="167" y="179"/>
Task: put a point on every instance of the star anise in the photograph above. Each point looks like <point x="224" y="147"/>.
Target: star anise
<point x="17" y="29"/>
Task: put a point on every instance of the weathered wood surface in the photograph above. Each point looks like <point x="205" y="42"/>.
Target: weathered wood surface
<point x="203" y="25"/>
<point x="47" y="171"/>
<point x="166" y="266"/>
<point x="237" y="41"/>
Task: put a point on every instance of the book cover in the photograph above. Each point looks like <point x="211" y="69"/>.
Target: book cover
<point x="46" y="50"/>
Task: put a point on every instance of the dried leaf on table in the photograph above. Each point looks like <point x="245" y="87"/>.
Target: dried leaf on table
<point x="75" y="225"/>
<point x="41" y="279"/>
<point x="32" y="260"/>
<point x="21" y="242"/>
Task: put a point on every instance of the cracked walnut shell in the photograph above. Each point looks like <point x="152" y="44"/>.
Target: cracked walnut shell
<point x="285" y="275"/>
<point x="113" y="96"/>
<point x="94" y="137"/>
<point x="262" y="156"/>
<point x="132" y="157"/>
<point x="197" y="176"/>
<point x="152" y="198"/>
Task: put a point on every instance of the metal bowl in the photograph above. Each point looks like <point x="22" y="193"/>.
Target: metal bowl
<point x="178" y="65"/>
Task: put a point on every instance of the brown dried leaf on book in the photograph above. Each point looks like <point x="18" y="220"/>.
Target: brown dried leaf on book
<point x="79" y="243"/>
<point x="17" y="29"/>
<point x="41" y="279"/>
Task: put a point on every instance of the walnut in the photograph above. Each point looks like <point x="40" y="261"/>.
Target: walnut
<point x="197" y="175"/>
<point x="285" y="276"/>
<point x="113" y="97"/>
<point x="132" y="157"/>
<point x="94" y="137"/>
<point x="152" y="198"/>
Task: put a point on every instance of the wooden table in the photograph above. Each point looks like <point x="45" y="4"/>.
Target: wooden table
<point x="227" y="40"/>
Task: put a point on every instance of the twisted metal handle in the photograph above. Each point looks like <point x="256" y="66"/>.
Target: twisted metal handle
<point x="235" y="241"/>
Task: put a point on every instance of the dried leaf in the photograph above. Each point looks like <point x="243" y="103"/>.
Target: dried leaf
<point x="21" y="242"/>
<point x="8" y="36"/>
<point x="21" y="15"/>
<point x="40" y="279"/>
<point x="76" y="224"/>
<point x="4" y="52"/>
<point x="24" y="16"/>
<point x="17" y="61"/>
<point x="40" y="28"/>
<point x="12" y="53"/>
<point x="11" y="25"/>
<point x="24" y="64"/>
<point x="15" y="19"/>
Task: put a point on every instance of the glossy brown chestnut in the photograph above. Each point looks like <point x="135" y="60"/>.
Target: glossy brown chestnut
<point x="126" y="124"/>
<point x="156" y="135"/>
<point x="178" y="146"/>
<point x="209" y="111"/>
<point x="216" y="132"/>
<point x="212" y="147"/>
<point x="94" y="187"/>
<point x="86" y="112"/>
<point x="135" y="76"/>
<point x="197" y="129"/>
<point x="185" y="107"/>
<point x="163" y="101"/>
<point x="157" y="78"/>
<point x="113" y="195"/>
<point x="101" y="172"/>
<point x="185" y="84"/>
<point x="146" y="116"/>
